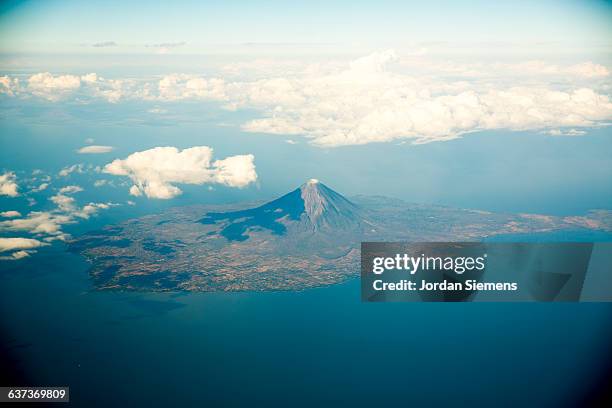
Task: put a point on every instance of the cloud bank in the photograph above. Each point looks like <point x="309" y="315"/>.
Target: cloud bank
<point x="155" y="171"/>
<point x="381" y="97"/>
<point x="40" y="223"/>
<point x="369" y="103"/>
<point x="48" y="224"/>
<point x="21" y="247"/>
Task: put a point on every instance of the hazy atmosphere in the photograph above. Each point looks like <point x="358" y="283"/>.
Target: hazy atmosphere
<point x="140" y="138"/>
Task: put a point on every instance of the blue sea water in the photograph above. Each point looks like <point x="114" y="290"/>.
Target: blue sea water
<point x="320" y="347"/>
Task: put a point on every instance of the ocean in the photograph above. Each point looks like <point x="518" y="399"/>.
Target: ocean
<point x="320" y="347"/>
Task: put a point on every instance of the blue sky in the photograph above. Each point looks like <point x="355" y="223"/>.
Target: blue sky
<point x="59" y="26"/>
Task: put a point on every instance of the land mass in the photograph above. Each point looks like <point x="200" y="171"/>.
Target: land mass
<point x="307" y="238"/>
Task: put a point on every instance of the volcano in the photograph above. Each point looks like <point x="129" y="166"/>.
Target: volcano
<point x="313" y="207"/>
<point x="309" y="237"/>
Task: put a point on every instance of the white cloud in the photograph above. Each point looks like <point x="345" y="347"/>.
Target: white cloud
<point x="17" y="255"/>
<point x="20" y="247"/>
<point x="67" y="205"/>
<point x="182" y="86"/>
<point x="75" y="168"/>
<point x="114" y="90"/>
<point x="41" y="187"/>
<point x="367" y="103"/>
<point x="565" y="132"/>
<point x="234" y="171"/>
<point x="8" y="184"/>
<point x="12" y="244"/>
<point x="94" y="149"/>
<point x="373" y="63"/>
<point x="63" y="202"/>
<point x="56" y="88"/>
<point x="91" y="209"/>
<point x="39" y="175"/>
<point x="52" y="87"/>
<point x="38" y="222"/>
<point x="70" y="189"/>
<point x="155" y="171"/>
<point x="589" y="70"/>
<point x="135" y="191"/>
<point x="381" y="97"/>
<point x="508" y="70"/>
<point x="10" y="214"/>
<point x="9" y="86"/>
<point x="48" y="224"/>
<point x="90" y="78"/>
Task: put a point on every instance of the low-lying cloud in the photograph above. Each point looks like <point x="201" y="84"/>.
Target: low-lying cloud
<point x="377" y="98"/>
<point x="75" y="168"/>
<point x="39" y="223"/>
<point x="95" y="149"/>
<point x="47" y="225"/>
<point x="11" y="244"/>
<point x="155" y="171"/>
<point x="10" y="214"/>
<point x="8" y="184"/>
<point x="19" y="247"/>
<point x="369" y="103"/>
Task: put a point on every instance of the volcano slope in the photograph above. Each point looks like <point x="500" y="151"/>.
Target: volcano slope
<point x="307" y="238"/>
